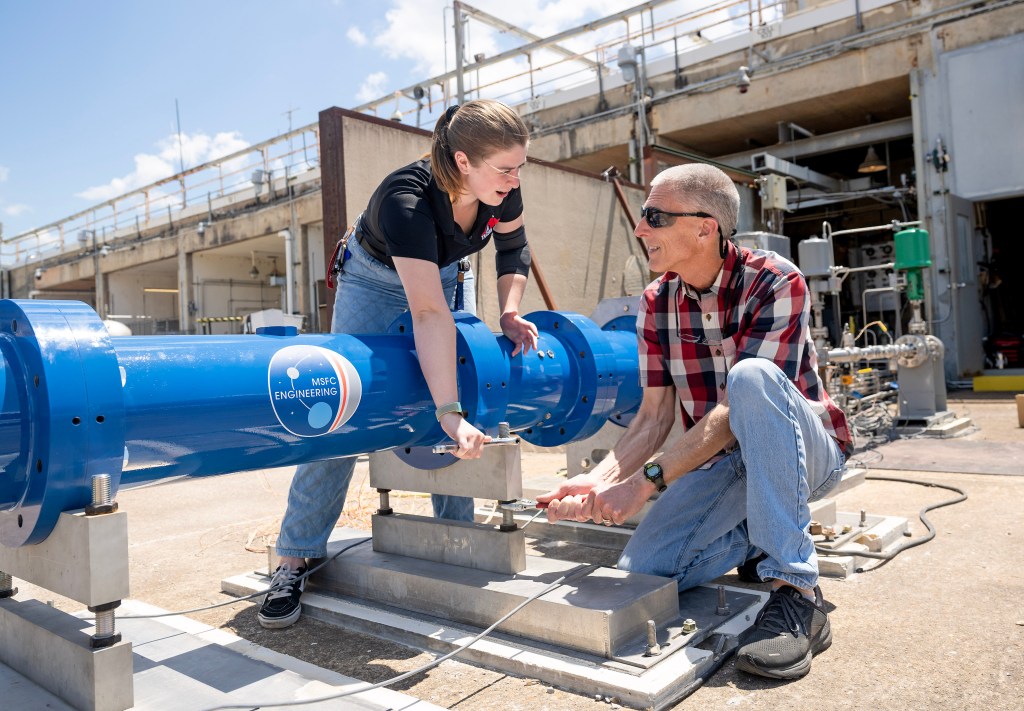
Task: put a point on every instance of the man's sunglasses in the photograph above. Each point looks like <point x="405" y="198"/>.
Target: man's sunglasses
<point x="659" y="218"/>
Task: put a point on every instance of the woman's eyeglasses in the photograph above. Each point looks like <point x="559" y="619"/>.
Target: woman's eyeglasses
<point x="659" y="218"/>
<point x="508" y="172"/>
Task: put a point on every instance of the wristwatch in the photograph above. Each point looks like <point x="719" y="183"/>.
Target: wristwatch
<point x="656" y="475"/>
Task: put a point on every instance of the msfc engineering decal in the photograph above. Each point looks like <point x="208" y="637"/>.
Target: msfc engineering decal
<point x="313" y="390"/>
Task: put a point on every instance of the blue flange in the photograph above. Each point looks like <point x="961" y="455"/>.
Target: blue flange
<point x="483" y="376"/>
<point x="61" y="377"/>
<point x="588" y="392"/>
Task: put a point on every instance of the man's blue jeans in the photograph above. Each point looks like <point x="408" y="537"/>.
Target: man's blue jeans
<point x="369" y="297"/>
<point x="754" y="500"/>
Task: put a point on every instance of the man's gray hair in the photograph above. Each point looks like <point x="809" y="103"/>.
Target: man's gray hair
<point x="709" y="190"/>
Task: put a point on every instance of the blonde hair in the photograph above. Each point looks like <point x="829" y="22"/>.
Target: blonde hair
<point x="477" y="128"/>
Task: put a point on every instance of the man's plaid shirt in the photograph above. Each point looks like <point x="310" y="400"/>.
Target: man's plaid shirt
<point x="758" y="307"/>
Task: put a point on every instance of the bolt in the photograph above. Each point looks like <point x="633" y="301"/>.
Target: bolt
<point x="102" y="502"/>
<point x="540" y="354"/>
<point x="551" y="353"/>
<point x="105" y="623"/>
<point x="863" y="518"/>
<point x="723" y="604"/>
<point x="508" y="521"/>
<point x="653" y="648"/>
<point x="504" y="430"/>
<point x="105" y="635"/>
<point x="689" y="626"/>
<point x="385" y="502"/>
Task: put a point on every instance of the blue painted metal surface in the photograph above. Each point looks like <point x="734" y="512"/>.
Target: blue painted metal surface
<point x="77" y="402"/>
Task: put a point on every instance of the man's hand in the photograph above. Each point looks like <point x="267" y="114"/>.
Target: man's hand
<point x="519" y="331"/>
<point x="592" y="499"/>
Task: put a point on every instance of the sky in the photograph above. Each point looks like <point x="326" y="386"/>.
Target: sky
<point x="88" y="90"/>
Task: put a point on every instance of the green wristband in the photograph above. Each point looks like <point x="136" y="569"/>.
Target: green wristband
<point x="455" y="407"/>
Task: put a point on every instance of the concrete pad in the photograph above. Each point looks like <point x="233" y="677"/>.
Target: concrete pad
<point x="657" y="684"/>
<point x="52" y="648"/>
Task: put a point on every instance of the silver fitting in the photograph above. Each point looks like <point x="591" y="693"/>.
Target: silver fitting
<point x="102" y="501"/>
<point x="723" y="605"/>
<point x="653" y="648"/>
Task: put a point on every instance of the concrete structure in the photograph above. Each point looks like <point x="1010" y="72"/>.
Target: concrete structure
<point x="810" y="86"/>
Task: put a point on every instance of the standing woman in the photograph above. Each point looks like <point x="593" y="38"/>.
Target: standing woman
<point x="404" y="255"/>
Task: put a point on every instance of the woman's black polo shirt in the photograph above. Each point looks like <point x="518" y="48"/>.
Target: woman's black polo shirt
<point x="410" y="216"/>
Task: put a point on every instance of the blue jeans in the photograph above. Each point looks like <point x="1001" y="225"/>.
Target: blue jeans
<point x="368" y="298"/>
<point x="752" y="501"/>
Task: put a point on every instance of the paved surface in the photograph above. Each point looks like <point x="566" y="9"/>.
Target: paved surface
<point x="940" y="627"/>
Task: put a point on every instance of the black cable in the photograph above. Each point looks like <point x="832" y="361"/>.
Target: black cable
<point x="886" y="557"/>
<point x="272" y="588"/>
<point x="421" y="669"/>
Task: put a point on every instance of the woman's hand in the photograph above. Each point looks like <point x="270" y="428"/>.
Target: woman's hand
<point x="519" y="331"/>
<point x="469" y="438"/>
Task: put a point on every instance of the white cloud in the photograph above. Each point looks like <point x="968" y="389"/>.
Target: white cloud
<point x="4" y="172"/>
<point x="356" y="36"/>
<point x="149" y="167"/>
<point x="373" y="87"/>
<point x="16" y="210"/>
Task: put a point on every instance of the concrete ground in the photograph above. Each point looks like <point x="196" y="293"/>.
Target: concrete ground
<point x="939" y="627"/>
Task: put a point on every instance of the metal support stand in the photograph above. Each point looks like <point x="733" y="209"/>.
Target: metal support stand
<point x="84" y="559"/>
<point x="430" y="582"/>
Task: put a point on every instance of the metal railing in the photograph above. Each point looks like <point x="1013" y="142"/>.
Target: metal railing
<point x="550" y="69"/>
<point x="263" y="168"/>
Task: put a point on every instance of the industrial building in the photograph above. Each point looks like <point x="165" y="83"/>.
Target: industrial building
<point x="872" y="142"/>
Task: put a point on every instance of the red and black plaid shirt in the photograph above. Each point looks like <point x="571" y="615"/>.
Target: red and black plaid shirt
<point x="758" y="307"/>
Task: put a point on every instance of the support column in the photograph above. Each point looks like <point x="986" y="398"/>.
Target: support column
<point x="185" y="299"/>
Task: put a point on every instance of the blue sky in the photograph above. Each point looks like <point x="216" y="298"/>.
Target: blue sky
<point x="88" y="89"/>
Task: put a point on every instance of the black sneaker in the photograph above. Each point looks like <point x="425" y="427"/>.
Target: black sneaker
<point x="788" y="631"/>
<point x="281" y="606"/>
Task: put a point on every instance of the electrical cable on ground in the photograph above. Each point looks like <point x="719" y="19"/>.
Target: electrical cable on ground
<point x="250" y="596"/>
<point x="406" y="675"/>
<point x="886" y="557"/>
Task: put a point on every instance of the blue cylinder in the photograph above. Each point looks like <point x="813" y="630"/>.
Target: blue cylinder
<point x="77" y="402"/>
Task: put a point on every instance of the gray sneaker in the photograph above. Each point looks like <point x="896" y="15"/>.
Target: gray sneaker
<point x="281" y="606"/>
<point x="789" y="630"/>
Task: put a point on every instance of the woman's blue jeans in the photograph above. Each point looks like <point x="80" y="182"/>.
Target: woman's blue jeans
<point x="754" y="500"/>
<point x="368" y="298"/>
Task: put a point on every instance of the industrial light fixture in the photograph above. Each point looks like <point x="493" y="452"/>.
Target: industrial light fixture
<point x="254" y="273"/>
<point x="627" y="62"/>
<point x="871" y="163"/>
<point x="743" y="81"/>
<point x="397" y="115"/>
<point x="257" y="180"/>
<point x="158" y="290"/>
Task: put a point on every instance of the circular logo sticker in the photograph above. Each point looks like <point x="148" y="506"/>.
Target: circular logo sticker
<point x="313" y="390"/>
